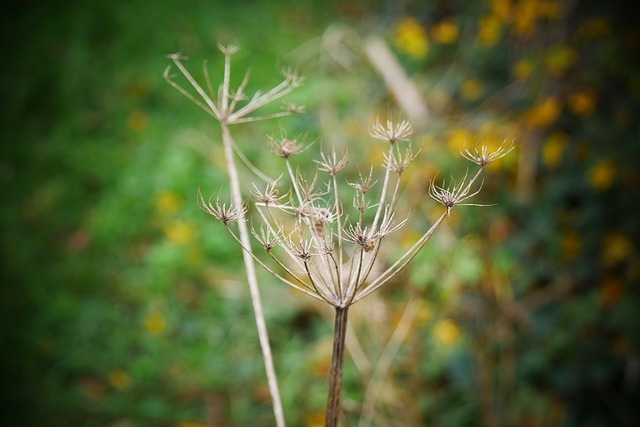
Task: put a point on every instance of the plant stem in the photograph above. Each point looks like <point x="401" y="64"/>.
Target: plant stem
<point x="234" y="185"/>
<point x="335" y="376"/>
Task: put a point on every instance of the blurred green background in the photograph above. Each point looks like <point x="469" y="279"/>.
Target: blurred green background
<point x="123" y="305"/>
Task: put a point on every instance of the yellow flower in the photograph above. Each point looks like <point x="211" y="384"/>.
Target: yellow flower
<point x="558" y="59"/>
<point x="471" y="90"/>
<point x="458" y="138"/>
<point x="544" y="113"/>
<point x="314" y="419"/>
<point x="501" y="9"/>
<point x="179" y="232"/>
<point x="602" y="175"/>
<point x="119" y="379"/>
<point x="137" y="120"/>
<point x="446" y="332"/>
<point x="445" y="32"/>
<point x="523" y="69"/>
<point x="411" y="38"/>
<point x="525" y="15"/>
<point x="489" y="30"/>
<point x="155" y="323"/>
<point x="582" y="103"/>
<point x="553" y="149"/>
<point x="615" y="248"/>
<point x="167" y="202"/>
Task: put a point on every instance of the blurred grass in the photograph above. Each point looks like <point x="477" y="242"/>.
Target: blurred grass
<point x="122" y="305"/>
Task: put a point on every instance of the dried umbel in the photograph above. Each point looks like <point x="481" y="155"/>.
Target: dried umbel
<point x="329" y="253"/>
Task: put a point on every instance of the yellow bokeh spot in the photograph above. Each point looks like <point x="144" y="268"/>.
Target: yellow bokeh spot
<point x="471" y="90"/>
<point x="501" y="9"/>
<point x="179" y="232"/>
<point x="446" y="332"/>
<point x="523" y="69"/>
<point x="559" y="59"/>
<point x="582" y="103"/>
<point x="458" y="138"/>
<point x="602" y="175"/>
<point x="155" y="323"/>
<point x="167" y="202"/>
<point x="445" y="32"/>
<point x="489" y="30"/>
<point x="314" y="419"/>
<point x="137" y="120"/>
<point x="543" y="113"/>
<point x="553" y="149"/>
<point x="119" y="379"/>
<point x="571" y="245"/>
<point x="525" y="14"/>
<point x="411" y="38"/>
<point x="616" y="248"/>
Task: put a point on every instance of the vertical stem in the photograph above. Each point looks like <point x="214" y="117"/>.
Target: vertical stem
<point x="335" y="376"/>
<point x="234" y="184"/>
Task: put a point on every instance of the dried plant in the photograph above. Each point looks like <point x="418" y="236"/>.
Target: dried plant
<point x="329" y="253"/>
<point x="232" y="107"/>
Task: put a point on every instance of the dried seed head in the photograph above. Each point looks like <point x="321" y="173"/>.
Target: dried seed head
<point x="222" y="212"/>
<point x="270" y="195"/>
<point x="454" y="194"/>
<point x="363" y="184"/>
<point x="292" y="77"/>
<point x="266" y="238"/>
<point x="481" y="154"/>
<point x="331" y="163"/>
<point x="285" y="147"/>
<point x="398" y="162"/>
<point x="293" y="108"/>
<point x="391" y="133"/>
<point x="363" y="237"/>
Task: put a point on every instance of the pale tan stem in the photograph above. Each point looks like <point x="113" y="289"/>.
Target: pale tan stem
<point x="234" y="185"/>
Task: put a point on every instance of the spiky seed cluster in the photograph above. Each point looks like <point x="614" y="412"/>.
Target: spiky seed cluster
<point x="331" y="254"/>
<point x="481" y="154"/>
<point x="398" y="162"/>
<point x="222" y="212"/>
<point x="331" y="163"/>
<point x="227" y="105"/>
<point x="454" y="195"/>
<point x="391" y="132"/>
<point x="286" y="147"/>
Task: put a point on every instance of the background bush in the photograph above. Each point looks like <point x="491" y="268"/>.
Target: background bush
<point x="123" y="305"/>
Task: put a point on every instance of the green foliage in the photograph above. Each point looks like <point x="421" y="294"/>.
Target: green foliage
<point x="123" y="305"/>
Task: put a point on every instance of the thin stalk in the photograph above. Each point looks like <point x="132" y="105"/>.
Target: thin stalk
<point x="234" y="185"/>
<point x="335" y="376"/>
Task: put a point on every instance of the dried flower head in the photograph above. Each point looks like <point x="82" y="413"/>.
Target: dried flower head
<point x="362" y="185"/>
<point x="266" y="238"/>
<point x="391" y="132"/>
<point x="481" y="154"/>
<point x="399" y="162"/>
<point x="222" y="212"/>
<point x="331" y="164"/>
<point x="454" y="194"/>
<point x="270" y="195"/>
<point x="286" y="147"/>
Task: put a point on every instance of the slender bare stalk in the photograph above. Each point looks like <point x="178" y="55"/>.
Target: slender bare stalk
<point x="223" y="108"/>
<point x="256" y="300"/>
<point x="337" y="358"/>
